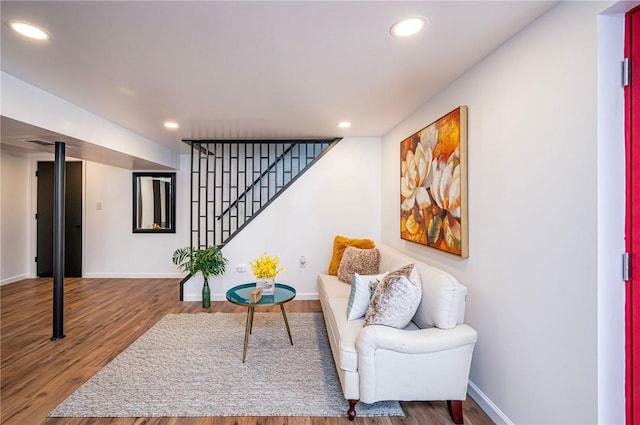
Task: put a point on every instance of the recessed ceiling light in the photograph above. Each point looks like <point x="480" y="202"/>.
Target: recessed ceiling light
<point x="40" y="142"/>
<point x="344" y="124"/>
<point x="29" y="30"/>
<point x="126" y="91"/>
<point x="171" y="124"/>
<point x="407" y="27"/>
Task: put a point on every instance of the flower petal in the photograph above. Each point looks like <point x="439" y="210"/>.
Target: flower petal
<point x="435" y="184"/>
<point x="422" y="166"/>
<point x="422" y="197"/>
<point x="453" y="233"/>
<point x="429" y="136"/>
<point x="407" y="204"/>
<point x="455" y="190"/>
<point x="445" y="183"/>
<point x="407" y="186"/>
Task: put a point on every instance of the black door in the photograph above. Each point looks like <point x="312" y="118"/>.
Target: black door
<point x="73" y="219"/>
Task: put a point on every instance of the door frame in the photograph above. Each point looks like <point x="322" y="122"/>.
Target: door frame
<point x="33" y="208"/>
<point x="632" y="219"/>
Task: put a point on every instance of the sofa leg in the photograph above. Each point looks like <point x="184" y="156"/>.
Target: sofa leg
<point x="455" y="410"/>
<point x="352" y="409"/>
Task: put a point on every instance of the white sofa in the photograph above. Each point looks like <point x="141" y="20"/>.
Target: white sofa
<point x="428" y="360"/>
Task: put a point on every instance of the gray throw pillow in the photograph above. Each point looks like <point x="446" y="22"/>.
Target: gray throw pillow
<point x="356" y="260"/>
<point x="396" y="299"/>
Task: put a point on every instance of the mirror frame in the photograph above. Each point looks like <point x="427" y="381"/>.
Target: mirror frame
<point x="172" y="203"/>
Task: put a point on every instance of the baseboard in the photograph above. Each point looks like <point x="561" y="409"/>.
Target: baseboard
<point x="133" y="275"/>
<point x="103" y="276"/>
<point x="489" y="407"/>
<point x="12" y="279"/>
<point x="222" y="297"/>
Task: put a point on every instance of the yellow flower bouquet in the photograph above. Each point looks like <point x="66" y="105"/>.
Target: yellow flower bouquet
<point x="265" y="268"/>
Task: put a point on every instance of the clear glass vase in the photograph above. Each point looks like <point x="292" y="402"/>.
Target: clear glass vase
<point x="267" y="284"/>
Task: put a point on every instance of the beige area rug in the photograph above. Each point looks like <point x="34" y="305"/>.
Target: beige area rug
<point x="190" y="365"/>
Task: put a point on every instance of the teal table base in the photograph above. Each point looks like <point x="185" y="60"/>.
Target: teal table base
<point x="241" y="295"/>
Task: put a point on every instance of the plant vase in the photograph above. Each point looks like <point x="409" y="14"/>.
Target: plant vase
<point x="267" y="284"/>
<point x="206" y="295"/>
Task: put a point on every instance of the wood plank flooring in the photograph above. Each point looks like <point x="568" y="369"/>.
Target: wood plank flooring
<point x="102" y="318"/>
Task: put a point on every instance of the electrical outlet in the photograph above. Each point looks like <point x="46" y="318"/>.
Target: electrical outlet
<point x="241" y="268"/>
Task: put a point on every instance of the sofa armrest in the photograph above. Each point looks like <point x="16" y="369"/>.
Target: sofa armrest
<point x="421" y="364"/>
<point x="419" y="341"/>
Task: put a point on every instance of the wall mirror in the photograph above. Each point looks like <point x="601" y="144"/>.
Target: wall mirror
<point x="154" y="202"/>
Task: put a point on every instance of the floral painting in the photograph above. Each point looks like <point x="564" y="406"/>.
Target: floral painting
<point x="433" y="185"/>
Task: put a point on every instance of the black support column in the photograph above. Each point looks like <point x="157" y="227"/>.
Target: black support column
<point x="58" y="241"/>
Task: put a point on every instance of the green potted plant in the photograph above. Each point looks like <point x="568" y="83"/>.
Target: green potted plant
<point x="208" y="261"/>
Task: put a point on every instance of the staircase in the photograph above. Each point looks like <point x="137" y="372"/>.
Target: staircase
<point x="234" y="181"/>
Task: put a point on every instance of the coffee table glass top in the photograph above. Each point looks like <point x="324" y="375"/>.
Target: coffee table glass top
<point x="241" y="295"/>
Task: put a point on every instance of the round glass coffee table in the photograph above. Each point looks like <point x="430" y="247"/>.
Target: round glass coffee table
<point x="241" y="295"/>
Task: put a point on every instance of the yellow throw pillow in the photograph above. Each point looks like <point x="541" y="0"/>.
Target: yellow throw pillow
<point x="340" y="243"/>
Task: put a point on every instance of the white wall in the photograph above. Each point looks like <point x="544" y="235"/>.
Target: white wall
<point x="340" y="194"/>
<point x="14" y="217"/>
<point x="111" y="248"/>
<point x="532" y="268"/>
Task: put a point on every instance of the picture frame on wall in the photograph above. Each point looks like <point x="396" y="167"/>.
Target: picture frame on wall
<point x="433" y="185"/>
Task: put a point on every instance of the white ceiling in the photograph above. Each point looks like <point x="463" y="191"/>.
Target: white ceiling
<point x="252" y="70"/>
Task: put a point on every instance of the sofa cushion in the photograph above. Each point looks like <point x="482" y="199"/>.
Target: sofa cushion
<point x="340" y="243"/>
<point x="356" y="260"/>
<point x="443" y="297"/>
<point x="396" y="299"/>
<point x="330" y="287"/>
<point x="362" y="286"/>
<point x="344" y="334"/>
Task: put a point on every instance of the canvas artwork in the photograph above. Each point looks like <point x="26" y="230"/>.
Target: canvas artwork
<point x="433" y="185"/>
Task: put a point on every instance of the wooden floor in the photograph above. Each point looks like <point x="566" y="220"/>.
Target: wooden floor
<point x="102" y="318"/>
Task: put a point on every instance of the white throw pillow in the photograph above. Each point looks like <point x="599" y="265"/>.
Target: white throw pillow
<point x="396" y="299"/>
<point x="362" y="286"/>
